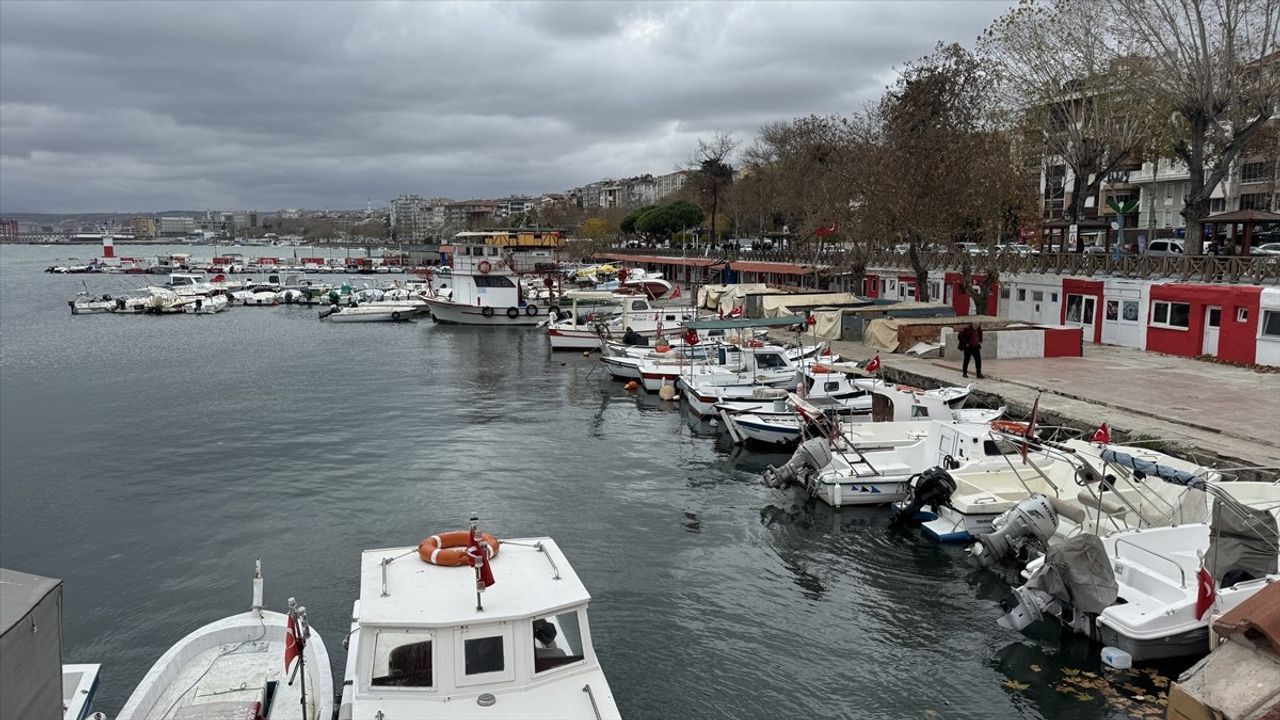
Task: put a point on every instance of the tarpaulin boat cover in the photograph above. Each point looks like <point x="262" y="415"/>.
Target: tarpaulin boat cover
<point x="1078" y="571"/>
<point x="1146" y="467"/>
<point x="881" y="334"/>
<point x="30" y="646"/>
<point x="1242" y="538"/>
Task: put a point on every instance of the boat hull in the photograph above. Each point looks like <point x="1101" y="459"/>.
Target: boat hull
<point x="458" y="314"/>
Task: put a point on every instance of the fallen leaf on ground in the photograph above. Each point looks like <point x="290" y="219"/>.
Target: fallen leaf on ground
<point x="1015" y="685"/>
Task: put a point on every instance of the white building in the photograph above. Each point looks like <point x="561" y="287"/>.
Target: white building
<point x="176" y="226"/>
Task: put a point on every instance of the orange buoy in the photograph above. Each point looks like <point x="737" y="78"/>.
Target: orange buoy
<point x="632" y="386"/>
<point x="449" y="549"/>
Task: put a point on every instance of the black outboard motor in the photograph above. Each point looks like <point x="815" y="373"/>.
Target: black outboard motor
<point x="931" y="488"/>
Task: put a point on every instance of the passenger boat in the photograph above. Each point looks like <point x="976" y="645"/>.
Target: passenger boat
<point x="243" y="666"/>
<point x="486" y="270"/>
<point x="366" y="313"/>
<point x="432" y="637"/>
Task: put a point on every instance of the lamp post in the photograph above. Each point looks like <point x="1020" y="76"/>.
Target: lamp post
<point x="1121" y="209"/>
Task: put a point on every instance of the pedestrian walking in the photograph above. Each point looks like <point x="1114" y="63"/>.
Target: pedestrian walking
<point x="971" y="346"/>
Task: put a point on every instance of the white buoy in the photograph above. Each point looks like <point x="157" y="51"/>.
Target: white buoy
<point x="667" y="391"/>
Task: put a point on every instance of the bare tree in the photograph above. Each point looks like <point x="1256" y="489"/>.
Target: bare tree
<point x="711" y="164"/>
<point x="1087" y="106"/>
<point x="1213" y="67"/>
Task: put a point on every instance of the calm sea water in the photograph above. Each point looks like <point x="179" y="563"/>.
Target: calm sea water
<point x="147" y="461"/>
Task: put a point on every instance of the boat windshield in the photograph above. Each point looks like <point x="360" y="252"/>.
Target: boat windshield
<point x="557" y="641"/>
<point x="402" y="659"/>
<point x="770" y="360"/>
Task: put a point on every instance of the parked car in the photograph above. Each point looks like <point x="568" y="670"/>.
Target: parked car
<point x="972" y="248"/>
<point x="1020" y="249"/>
<point x="1095" y="250"/>
<point x="1271" y="248"/>
<point x="1165" y="247"/>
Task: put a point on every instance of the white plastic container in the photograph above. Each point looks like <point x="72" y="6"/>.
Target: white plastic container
<point x="1116" y="658"/>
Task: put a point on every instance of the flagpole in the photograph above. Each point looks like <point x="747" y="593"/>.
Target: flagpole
<point x="302" y="631"/>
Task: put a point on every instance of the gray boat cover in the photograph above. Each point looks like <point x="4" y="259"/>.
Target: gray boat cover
<point x="1242" y="538"/>
<point x="1146" y="467"/>
<point x="30" y="646"/>
<point x="1077" y="571"/>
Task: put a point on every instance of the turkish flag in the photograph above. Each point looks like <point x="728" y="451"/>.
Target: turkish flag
<point x="1103" y="435"/>
<point x="1206" y="592"/>
<point x="293" y="643"/>
<point x="691" y="337"/>
<point x="736" y="312"/>
<point x="874" y="365"/>
<point x="676" y="294"/>
<point x="811" y="320"/>
<point x="479" y="559"/>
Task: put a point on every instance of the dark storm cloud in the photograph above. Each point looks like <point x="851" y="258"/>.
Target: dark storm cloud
<point x="113" y="106"/>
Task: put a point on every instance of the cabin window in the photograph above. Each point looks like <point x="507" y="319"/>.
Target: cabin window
<point x="831" y="386"/>
<point x="669" y="318"/>
<point x="402" y="659"/>
<point x="1001" y="447"/>
<point x="1170" y="314"/>
<point x="498" y="281"/>
<point x="637" y="305"/>
<point x="557" y="641"/>
<point x="1270" y="323"/>
<point x="484" y="655"/>
<point x="919" y="411"/>
<point x="493" y="252"/>
<point x="770" y="360"/>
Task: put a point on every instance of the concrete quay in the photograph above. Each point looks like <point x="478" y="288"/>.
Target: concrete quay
<point x="1218" y="415"/>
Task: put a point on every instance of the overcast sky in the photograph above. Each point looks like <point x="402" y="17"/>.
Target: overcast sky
<point x="162" y="105"/>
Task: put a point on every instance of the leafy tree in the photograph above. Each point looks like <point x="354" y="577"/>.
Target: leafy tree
<point x="628" y="224"/>
<point x="596" y="228"/>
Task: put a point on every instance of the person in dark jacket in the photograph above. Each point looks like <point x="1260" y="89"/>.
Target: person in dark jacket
<point x="971" y="346"/>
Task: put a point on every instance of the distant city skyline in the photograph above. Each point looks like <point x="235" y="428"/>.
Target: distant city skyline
<point x="109" y="106"/>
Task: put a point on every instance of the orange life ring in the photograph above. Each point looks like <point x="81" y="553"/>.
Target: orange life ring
<point x="450" y="548"/>
<point x="484" y="267"/>
<point x="1009" y="426"/>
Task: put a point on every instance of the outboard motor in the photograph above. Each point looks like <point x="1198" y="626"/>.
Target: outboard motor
<point x="932" y="488"/>
<point x="1021" y="533"/>
<point x="808" y="459"/>
<point x="1075" y="583"/>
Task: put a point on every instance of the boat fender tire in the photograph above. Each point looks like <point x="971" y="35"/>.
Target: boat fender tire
<point x="531" y="310"/>
<point x="449" y="549"/>
<point x="513" y="313"/>
<point x="395" y="315"/>
<point x="487" y="312"/>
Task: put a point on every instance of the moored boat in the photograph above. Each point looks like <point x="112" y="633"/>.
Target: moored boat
<point x="486" y="271"/>
<point x="257" y="664"/>
<point x="366" y="313"/>
<point x="507" y="639"/>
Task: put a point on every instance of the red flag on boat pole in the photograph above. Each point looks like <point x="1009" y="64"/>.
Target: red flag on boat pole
<point x="874" y="365"/>
<point x="292" y="643"/>
<point x="690" y="337"/>
<point x="1103" y="435"/>
<point x="1206" y="592"/>
<point x="676" y="293"/>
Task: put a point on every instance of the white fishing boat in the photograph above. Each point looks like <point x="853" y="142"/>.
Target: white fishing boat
<point x="86" y="304"/>
<point x="594" y="317"/>
<point x="366" y="313"/>
<point x="236" y="668"/>
<point x="486" y="271"/>
<point x="262" y="298"/>
<point x="1152" y="592"/>
<point x="207" y="305"/>
<point x="429" y="640"/>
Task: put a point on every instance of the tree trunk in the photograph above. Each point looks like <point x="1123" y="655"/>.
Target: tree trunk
<point x="1073" y="211"/>
<point x="922" y="272"/>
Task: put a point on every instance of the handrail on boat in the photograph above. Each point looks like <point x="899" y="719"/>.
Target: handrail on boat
<point x="594" y="707"/>
<point x="554" y="570"/>
<point x="1181" y="572"/>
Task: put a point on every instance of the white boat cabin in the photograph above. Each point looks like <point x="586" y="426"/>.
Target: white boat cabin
<point x="487" y="265"/>
<point x="421" y="648"/>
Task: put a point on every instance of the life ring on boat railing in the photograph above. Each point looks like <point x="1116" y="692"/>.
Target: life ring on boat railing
<point x="484" y="267"/>
<point x="513" y="313"/>
<point x="1009" y="426"/>
<point x="531" y="310"/>
<point x="487" y="312"/>
<point x="449" y="549"/>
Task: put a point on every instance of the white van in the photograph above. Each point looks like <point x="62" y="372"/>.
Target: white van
<point x="1165" y="247"/>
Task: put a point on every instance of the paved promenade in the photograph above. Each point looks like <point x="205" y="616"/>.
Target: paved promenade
<point x="1228" y="414"/>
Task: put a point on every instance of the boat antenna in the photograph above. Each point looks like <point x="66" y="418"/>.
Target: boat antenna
<point x="478" y="563"/>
